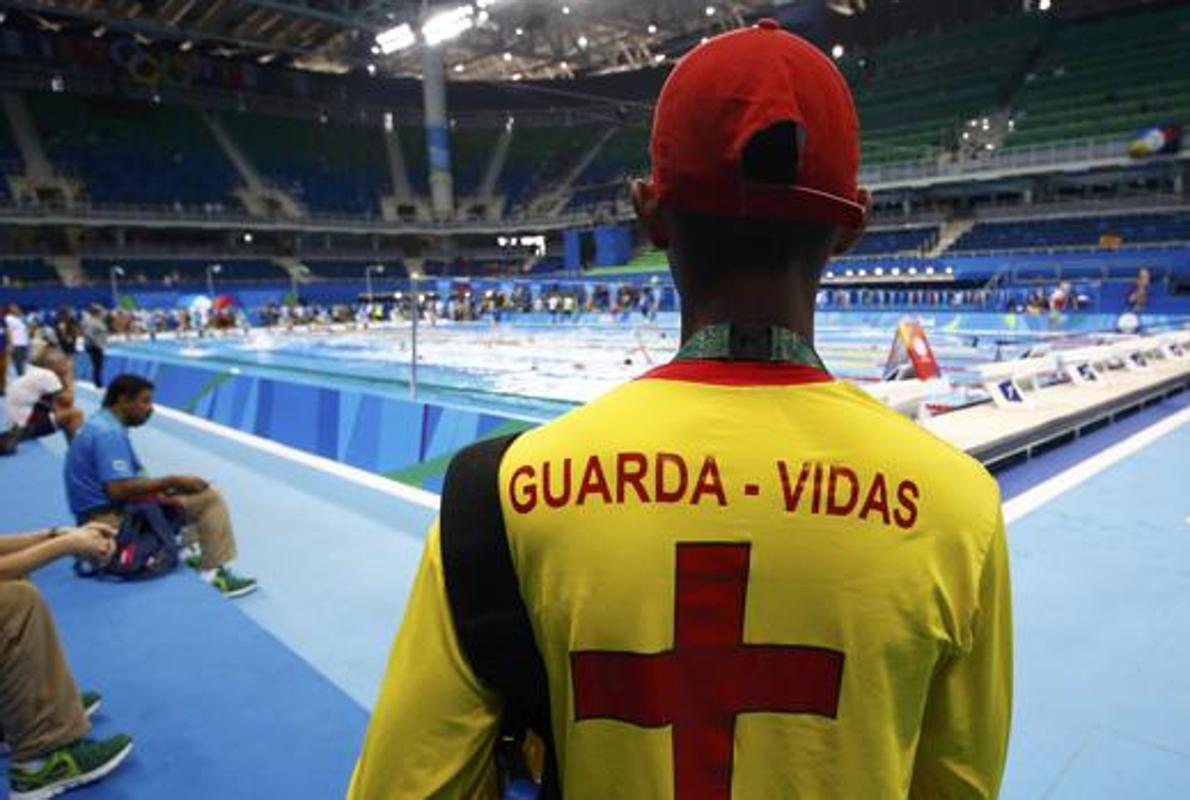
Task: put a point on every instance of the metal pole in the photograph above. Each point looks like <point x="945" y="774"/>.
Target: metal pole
<point x="413" y="341"/>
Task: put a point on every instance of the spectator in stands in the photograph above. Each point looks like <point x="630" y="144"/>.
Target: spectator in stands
<point x="3" y="359"/>
<point x="43" y="718"/>
<point x="94" y="330"/>
<point x="41" y="401"/>
<point x="18" y="338"/>
<point x="1138" y="297"/>
<point x="66" y="326"/>
<point x="103" y="473"/>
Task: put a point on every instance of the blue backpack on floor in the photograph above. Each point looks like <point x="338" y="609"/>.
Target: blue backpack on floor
<point x="147" y="545"/>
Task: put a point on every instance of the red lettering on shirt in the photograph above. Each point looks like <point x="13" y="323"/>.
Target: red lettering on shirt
<point x="666" y="494"/>
<point x="551" y="499"/>
<point x="834" y="507"/>
<point x="877" y="499"/>
<point x="527" y="499"/>
<point x="594" y="482"/>
<point x="708" y="482"/>
<point x="631" y="469"/>
<point x="907" y="494"/>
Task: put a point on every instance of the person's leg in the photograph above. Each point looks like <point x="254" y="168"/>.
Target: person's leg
<point x="212" y="527"/>
<point x="19" y="354"/>
<point x="39" y="703"/>
<point x="69" y="421"/>
<point x="96" y="355"/>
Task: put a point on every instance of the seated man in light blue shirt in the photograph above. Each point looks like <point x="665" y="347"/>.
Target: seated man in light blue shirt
<point x="103" y="473"/>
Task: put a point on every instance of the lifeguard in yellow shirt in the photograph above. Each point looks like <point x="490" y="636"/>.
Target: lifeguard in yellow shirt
<point x="735" y="577"/>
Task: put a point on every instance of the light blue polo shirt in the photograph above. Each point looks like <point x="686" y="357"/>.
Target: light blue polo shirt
<point x="101" y="452"/>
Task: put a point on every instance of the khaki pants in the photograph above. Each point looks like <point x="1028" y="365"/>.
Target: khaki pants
<point x="210" y="526"/>
<point x="40" y="708"/>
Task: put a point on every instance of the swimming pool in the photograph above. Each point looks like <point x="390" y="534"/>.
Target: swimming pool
<point x="538" y="369"/>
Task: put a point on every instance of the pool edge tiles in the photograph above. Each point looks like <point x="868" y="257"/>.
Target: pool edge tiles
<point x="408" y="441"/>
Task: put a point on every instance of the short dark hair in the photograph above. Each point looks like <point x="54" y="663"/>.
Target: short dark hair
<point x="125" y="386"/>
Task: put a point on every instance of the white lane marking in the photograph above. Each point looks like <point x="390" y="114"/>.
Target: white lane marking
<point x="1048" y="490"/>
<point x="356" y="475"/>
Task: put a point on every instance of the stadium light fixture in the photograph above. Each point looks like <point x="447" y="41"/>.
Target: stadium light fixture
<point x="566" y="10"/>
<point x="879" y="271"/>
<point x="396" y="38"/>
<point x="371" y="69"/>
<point x="1044" y="5"/>
<point x="459" y="68"/>
<point x="929" y="270"/>
<point x="448" y="25"/>
<point x="837" y="51"/>
<point x="516" y="76"/>
<point x="507" y="56"/>
<point x="520" y="31"/>
<point x="710" y="11"/>
<point x="913" y="270"/>
<point x="950" y="270"/>
<point x="652" y="29"/>
<point x="657" y="59"/>
<point x="582" y="42"/>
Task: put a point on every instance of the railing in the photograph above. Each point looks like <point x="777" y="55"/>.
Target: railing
<point x="1016" y="158"/>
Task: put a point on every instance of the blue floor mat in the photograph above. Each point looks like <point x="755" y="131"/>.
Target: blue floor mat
<point x="217" y="706"/>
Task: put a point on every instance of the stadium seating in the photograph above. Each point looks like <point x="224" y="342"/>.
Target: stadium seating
<point x="911" y="94"/>
<point x="471" y="149"/>
<point x="899" y="240"/>
<point x="330" y="168"/>
<point x="26" y="271"/>
<point x="412" y="138"/>
<point x="1106" y="77"/>
<point x="625" y="155"/>
<point x="182" y="271"/>
<point x="131" y="152"/>
<point x="10" y="160"/>
<point x="539" y="157"/>
<point x="345" y="269"/>
<point x="1076" y="232"/>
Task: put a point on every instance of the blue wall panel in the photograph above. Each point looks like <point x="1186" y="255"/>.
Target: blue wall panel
<point x="374" y="432"/>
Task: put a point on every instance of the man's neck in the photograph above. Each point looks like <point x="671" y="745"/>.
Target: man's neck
<point x="785" y="304"/>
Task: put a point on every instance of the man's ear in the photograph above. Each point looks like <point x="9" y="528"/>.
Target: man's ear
<point x="849" y="236"/>
<point x="648" y="211"/>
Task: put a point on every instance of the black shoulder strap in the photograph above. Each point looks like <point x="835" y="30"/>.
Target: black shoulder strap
<point x="490" y="618"/>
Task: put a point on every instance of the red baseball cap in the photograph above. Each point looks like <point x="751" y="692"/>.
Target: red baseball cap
<point x="725" y="92"/>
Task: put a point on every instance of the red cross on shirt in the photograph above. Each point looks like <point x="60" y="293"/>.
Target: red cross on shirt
<point x="709" y="677"/>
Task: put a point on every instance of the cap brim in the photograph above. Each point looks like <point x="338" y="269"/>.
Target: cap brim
<point x="799" y="203"/>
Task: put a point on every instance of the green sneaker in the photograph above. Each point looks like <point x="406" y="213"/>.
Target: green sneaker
<point x="231" y="585"/>
<point x="193" y="561"/>
<point x="91" y="702"/>
<point x="69" y="767"/>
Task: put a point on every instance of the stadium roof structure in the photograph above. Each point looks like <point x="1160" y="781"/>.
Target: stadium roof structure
<point x="496" y="40"/>
<point x="479" y="39"/>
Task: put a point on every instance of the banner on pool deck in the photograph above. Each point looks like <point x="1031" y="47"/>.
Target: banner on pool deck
<point x="405" y="440"/>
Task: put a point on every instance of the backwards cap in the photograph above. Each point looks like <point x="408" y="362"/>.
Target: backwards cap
<point x="736" y="86"/>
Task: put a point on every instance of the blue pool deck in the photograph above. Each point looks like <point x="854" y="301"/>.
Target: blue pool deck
<point x="268" y="696"/>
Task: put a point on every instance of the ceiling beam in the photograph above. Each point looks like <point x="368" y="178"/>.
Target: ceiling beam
<point x="300" y="9"/>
